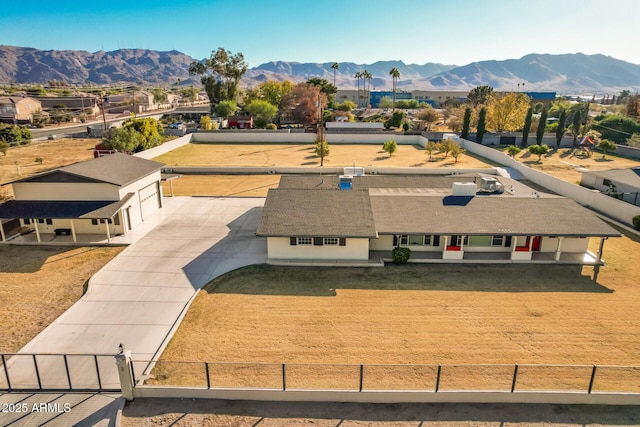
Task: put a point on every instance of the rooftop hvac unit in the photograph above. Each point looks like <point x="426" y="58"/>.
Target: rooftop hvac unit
<point x="491" y="185"/>
<point x="354" y="171"/>
<point x="346" y="182"/>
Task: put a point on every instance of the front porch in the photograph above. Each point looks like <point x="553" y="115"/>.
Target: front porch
<point x="587" y="258"/>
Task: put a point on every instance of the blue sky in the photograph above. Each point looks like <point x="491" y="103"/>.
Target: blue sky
<point x="362" y="31"/>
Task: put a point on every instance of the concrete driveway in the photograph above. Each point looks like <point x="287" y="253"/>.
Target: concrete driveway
<point x="140" y="296"/>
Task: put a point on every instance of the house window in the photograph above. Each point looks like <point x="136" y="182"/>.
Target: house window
<point x="40" y="220"/>
<point x="606" y="182"/>
<point x="305" y="241"/>
<point x="404" y="239"/>
<point x="49" y="221"/>
<point x="427" y="240"/>
<point x="497" y="240"/>
<point x="26" y="221"/>
<point x="331" y="241"/>
<point x="416" y="239"/>
<point x="456" y="239"/>
<point x="94" y="221"/>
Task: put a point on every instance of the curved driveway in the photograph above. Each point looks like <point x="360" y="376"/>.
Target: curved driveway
<point x="138" y="297"/>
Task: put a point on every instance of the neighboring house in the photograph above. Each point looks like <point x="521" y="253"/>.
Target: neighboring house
<point x="240" y="122"/>
<point x="138" y="101"/>
<point x="18" y="110"/>
<point x="109" y="196"/>
<point x="441" y="218"/>
<point x="623" y="184"/>
<point x="87" y="104"/>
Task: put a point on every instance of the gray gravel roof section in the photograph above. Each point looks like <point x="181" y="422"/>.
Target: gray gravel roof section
<point x="485" y="215"/>
<point x="323" y="213"/>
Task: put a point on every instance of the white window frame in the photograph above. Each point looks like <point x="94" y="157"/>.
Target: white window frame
<point x="497" y="240"/>
<point x="331" y="241"/>
<point x="305" y="241"/>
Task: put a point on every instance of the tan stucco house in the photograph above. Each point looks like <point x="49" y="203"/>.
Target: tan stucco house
<point x="440" y="218"/>
<point x="18" y="110"/>
<point x="106" y="196"/>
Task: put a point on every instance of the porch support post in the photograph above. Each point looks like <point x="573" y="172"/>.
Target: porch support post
<point x="73" y="231"/>
<point x="106" y="223"/>
<point x="120" y="214"/>
<point x="602" y="239"/>
<point x="559" y="248"/>
<point x="4" y="238"/>
<point x="462" y="243"/>
<point x="171" y="186"/>
<point x="530" y="242"/>
<point x="35" y="224"/>
<point x="446" y="243"/>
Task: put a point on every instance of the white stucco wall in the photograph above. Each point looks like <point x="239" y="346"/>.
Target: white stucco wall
<point x="569" y="245"/>
<point x="65" y="191"/>
<point x="280" y="248"/>
<point x="135" y="212"/>
<point x="81" y="226"/>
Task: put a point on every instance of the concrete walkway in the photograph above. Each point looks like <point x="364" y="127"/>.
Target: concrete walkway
<point x="138" y="298"/>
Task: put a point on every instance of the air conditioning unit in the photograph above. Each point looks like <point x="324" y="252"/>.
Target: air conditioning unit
<point x="491" y="185"/>
<point x="346" y="182"/>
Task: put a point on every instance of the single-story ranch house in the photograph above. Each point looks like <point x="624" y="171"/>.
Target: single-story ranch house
<point x="456" y="218"/>
<point x="108" y="195"/>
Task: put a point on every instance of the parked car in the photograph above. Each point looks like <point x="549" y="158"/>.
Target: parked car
<point x="176" y="125"/>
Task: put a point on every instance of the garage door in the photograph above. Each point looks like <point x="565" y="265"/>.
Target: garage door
<point x="149" y="200"/>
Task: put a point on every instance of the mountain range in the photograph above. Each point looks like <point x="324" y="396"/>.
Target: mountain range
<point x="566" y="73"/>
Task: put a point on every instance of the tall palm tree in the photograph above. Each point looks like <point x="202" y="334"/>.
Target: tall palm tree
<point x="395" y="75"/>
<point x="367" y="76"/>
<point x="358" y="75"/>
<point x="335" y="67"/>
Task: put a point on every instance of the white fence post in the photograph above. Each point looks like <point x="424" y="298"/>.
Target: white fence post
<point x="123" y="361"/>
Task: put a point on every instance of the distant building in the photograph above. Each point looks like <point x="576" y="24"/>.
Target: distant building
<point x="78" y="103"/>
<point x="623" y="184"/>
<point x="18" y="110"/>
<point x="240" y="122"/>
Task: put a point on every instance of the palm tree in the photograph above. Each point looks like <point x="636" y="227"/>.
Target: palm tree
<point x="395" y="74"/>
<point x="357" y="76"/>
<point x="367" y="76"/>
<point x="335" y="67"/>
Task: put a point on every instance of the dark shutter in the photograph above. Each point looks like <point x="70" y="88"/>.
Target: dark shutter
<point x="395" y="240"/>
<point x="436" y="240"/>
<point x="507" y="241"/>
<point x="317" y="241"/>
<point x="343" y="241"/>
<point x="293" y="241"/>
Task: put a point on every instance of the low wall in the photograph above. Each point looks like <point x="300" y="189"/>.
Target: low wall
<point x="616" y="209"/>
<point x="299" y="170"/>
<point x="566" y="398"/>
<point x="164" y="148"/>
<point x="626" y="151"/>
<point x="253" y="137"/>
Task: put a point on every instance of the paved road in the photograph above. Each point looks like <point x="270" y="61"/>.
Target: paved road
<point x="139" y="296"/>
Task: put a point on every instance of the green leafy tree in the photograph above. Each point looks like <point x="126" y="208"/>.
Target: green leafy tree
<point x="4" y="146"/>
<point x="616" y="128"/>
<point x="159" y="95"/>
<point x="513" y="150"/>
<point x="345" y="106"/>
<point x="322" y="147"/>
<point x="225" y="109"/>
<point x="562" y="126"/>
<point x="124" y="140"/>
<point x="39" y="119"/>
<point x="605" y="146"/>
<point x="456" y="151"/>
<point x="482" y="122"/>
<point x="270" y="91"/>
<point x="390" y="147"/>
<point x="385" y="102"/>
<point x="263" y="112"/>
<point x="190" y="94"/>
<point x="505" y="113"/>
<point x="59" y="114"/>
<point x="575" y="127"/>
<point x="220" y="75"/>
<point x="13" y="134"/>
<point x="428" y="115"/>
<point x="149" y="129"/>
<point x="528" y="118"/>
<point x="206" y="123"/>
<point x="325" y="87"/>
<point x="634" y="140"/>
<point x="479" y="95"/>
<point x="395" y="75"/>
<point x="539" y="150"/>
<point x="444" y="146"/>
<point x="466" y="123"/>
<point x="430" y="147"/>
<point x="396" y="119"/>
<point x="541" y="125"/>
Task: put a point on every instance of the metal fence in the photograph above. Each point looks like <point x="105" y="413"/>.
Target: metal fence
<point x="432" y="378"/>
<point x="27" y="372"/>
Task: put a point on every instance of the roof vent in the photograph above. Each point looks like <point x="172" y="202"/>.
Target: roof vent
<point x="346" y="182"/>
<point x="464" y="189"/>
<point x="491" y="185"/>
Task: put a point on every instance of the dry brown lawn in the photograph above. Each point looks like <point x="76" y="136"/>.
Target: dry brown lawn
<point x="54" y="154"/>
<point x="563" y="163"/>
<point x="222" y="185"/>
<point x="303" y="155"/>
<point x="38" y="283"/>
<point x="418" y="315"/>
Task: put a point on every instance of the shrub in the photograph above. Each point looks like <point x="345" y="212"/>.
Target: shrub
<point x="636" y="222"/>
<point x="390" y="147"/>
<point x="401" y="255"/>
<point x="271" y="126"/>
<point x="39" y="160"/>
<point x="513" y="150"/>
<point x="539" y="150"/>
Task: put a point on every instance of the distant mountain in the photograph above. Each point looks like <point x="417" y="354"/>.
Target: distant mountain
<point x="569" y="73"/>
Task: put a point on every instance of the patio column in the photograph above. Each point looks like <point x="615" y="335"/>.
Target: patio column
<point x="4" y="238"/>
<point x="171" y="187"/>
<point x="530" y="242"/>
<point x="602" y="239"/>
<point x="559" y="248"/>
<point x="73" y="231"/>
<point x="446" y="243"/>
<point x="35" y="224"/>
<point x="106" y="223"/>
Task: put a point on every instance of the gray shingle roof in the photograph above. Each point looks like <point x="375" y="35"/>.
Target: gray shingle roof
<point x="630" y="176"/>
<point x="37" y="209"/>
<point x="118" y="169"/>
<point x="485" y="215"/>
<point x="322" y="213"/>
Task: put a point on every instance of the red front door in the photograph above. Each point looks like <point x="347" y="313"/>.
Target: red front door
<point x="535" y="245"/>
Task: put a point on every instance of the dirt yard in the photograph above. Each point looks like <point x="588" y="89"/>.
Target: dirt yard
<point x="54" y="154"/>
<point x="563" y="163"/>
<point x="38" y="283"/>
<point x="303" y="155"/>
<point x="218" y="413"/>
<point x="413" y="314"/>
<point x="222" y="185"/>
